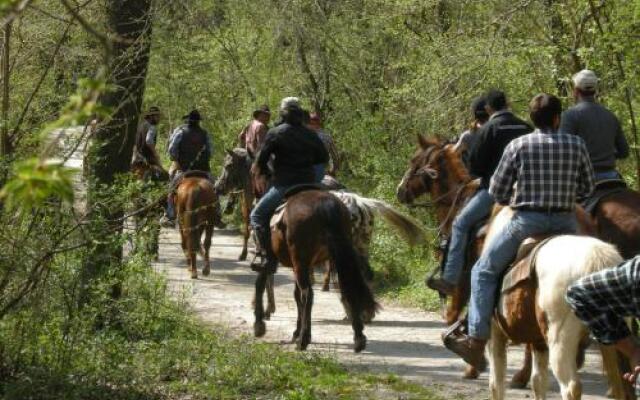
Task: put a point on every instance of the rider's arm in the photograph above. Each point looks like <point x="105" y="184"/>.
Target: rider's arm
<point x="175" y="145"/>
<point x="586" y="179"/>
<point x="622" y="147"/>
<point x="501" y="187"/>
<point x="269" y="146"/>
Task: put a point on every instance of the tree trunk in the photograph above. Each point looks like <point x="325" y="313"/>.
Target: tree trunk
<point x="112" y="146"/>
<point x="5" y="147"/>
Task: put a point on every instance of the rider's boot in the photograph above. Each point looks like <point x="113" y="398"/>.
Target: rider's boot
<point x="168" y="220"/>
<point x="440" y="285"/>
<point x="217" y="219"/>
<point x="470" y="349"/>
<point x="269" y="261"/>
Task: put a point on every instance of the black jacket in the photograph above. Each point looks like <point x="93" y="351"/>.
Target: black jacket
<point x="492" y="139"/>
<point x="295" y="150"/>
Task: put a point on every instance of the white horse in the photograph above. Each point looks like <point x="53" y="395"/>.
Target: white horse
<point x="560" y="261"/>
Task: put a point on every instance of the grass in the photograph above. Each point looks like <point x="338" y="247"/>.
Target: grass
<point x="148" y="346"/>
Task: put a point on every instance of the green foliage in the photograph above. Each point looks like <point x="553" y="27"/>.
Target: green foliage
<point x="34" y="182"/>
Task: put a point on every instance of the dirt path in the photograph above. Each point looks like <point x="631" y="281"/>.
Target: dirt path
<point x="402" y="341"/>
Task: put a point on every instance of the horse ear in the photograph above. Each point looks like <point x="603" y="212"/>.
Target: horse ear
<point x="422" y="141"/>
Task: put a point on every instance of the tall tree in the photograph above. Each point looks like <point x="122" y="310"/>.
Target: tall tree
<point x="128" y="46"/>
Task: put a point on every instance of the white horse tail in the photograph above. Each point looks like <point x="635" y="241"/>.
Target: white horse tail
<point x="406" y="227"/>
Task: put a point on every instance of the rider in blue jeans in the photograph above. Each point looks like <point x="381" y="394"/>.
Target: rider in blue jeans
<point x="293" y="149"/>
<point x="484" y="156"/>
<point x="541" y="176"/>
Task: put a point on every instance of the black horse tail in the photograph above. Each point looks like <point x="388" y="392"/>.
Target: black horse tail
<point x="193" y="218"/>
<point x="348" y="263"/>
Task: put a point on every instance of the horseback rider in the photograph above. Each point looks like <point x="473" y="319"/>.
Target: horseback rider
<point x="331" y="168"/>
<point x="540" y="176"/>
<point x="596" y="125"/>
<point x="503" y="126"/>
<point x="146" y="139"/>
<point x="253" y="135"/>
<point x="295" y="149"/>
<point x="191" y="148"/>
<point x="469" y="138"/>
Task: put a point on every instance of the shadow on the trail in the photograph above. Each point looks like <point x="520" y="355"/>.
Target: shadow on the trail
<point x="407" y="324"/>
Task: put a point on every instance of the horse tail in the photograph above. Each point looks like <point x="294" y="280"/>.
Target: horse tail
<point x="406" y="227"/>
<point x="193" y="208"/>
<point x="348" y="263"/>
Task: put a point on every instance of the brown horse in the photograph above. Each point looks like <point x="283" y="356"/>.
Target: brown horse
<point x="315" y="228"/>
<point x="195" y="206"/>
<point x="436" y="169"/>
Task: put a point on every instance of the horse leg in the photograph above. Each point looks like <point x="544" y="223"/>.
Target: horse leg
<point x="296" y="295"/>
<point x="306" y="300"/>
<point x="327" y="276"/>
<point x="521" y="378"/>
<point x="208" y="233"/>
<point x="246" y="208"/>
<point x="259" y="327"/>
<point x="563" y="348"/>
<point x="498" y="362"/>
<point x="359" y="339"/>
<point x="271" y="298"/>
<point x="540" y="372"/>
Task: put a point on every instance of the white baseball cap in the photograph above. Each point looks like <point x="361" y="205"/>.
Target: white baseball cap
<point x="586" y="80"/>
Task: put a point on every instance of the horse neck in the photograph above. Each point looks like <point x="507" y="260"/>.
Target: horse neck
<point x="449" y="191"/>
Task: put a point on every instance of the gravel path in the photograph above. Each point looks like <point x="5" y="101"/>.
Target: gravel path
<point x="402" y="341"/>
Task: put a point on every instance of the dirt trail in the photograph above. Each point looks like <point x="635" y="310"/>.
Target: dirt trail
<point x="402" y="341"/>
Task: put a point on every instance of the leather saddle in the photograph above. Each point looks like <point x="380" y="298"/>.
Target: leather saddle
<point x="603" y="189"/>
<point x="523" y="267"/>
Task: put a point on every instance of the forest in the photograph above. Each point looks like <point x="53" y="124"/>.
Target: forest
<point x="82" y="318"/>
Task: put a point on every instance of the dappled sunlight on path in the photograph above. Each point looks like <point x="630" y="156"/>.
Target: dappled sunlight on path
<point x="402" y="341"/>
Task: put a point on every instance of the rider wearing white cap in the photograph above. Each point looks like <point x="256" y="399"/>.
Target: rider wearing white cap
<point x="596" y="125"/>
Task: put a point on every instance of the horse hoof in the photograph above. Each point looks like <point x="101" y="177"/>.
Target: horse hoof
<point x="206" y="271"/>
<point x="517" y="383"/>
<point x="267" y="316"/>
<point x="194" y="275"/>
<point x="325" y="288"/>
<point x="243" y="257"/>
<point x="303" y="342"/>
<point x="259" y="329"/>
<point x="470" y="373"/>
<point x="360" y="343"/>
<point x="294" y="338"/>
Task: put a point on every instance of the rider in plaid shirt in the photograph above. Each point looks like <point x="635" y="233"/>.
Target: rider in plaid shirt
<point x="541" y="176"/>
<point x="603" y="300"/>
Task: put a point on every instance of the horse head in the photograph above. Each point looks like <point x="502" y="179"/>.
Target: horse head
<point x="149" y="172"/>
<point x="435" y="168"/>
<point x="235" y="171"/>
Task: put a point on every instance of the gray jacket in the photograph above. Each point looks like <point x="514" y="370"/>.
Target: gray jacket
<point x="601" y="131"/>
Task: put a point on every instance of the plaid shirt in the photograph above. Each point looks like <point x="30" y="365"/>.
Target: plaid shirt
<point x="543" y="170"/>
<point x="602" y="300"/>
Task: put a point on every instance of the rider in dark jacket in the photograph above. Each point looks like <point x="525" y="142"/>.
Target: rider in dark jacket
<point x="294" y="150"/>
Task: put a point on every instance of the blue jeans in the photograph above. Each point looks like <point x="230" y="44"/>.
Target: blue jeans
<point x="478" y="208"/>
<point x="604" y="175"/>
<point x="263" y="211"/>
<point x="319" y="171"/>
<point x="487" y="272"/>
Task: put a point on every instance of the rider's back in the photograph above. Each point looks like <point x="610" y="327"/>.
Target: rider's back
<point x="192" y="151"/>
<point x="600" y="130"/>
<point x="296" y="149"/>
<point x="492" y="139"/>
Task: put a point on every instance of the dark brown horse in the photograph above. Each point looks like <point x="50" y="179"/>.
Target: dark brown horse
<point x="236" y="178"/>
<point x="195" y="206"/>
<point x="315" y="228"/>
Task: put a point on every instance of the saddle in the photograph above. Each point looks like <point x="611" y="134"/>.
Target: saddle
<point x="523" y="267"/>
<point x="604" y="188"/>
<point x="180" y="176"/>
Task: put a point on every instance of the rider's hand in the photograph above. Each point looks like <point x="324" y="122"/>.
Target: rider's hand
<point x="261" y="184"/>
